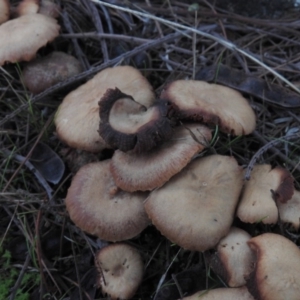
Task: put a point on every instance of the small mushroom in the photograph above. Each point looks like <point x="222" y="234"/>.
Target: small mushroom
<point x="99" y="207"/>
<point x="42" y="73"/>
<point x="25" y="35"/>
<point x="120" y="269"/>
<point x="265" y="186"/>
<point x="222" y="294"/>
<point x="234" y="259"/>
<point x="211" y="104"/>
<point x="289" y="211"/>
<point x="127" y="125"/>
<point x="77" y="118"/>
<point x="26" y="7"/>
<point x="4" y="11"/>
<point x="195" y="209"/>
<point x="276" y="274"/>
<point x="153" y="169"/>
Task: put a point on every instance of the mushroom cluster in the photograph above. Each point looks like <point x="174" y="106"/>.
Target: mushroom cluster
<point x="157" y="176"/>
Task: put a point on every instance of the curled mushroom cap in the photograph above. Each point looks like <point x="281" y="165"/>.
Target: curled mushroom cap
<point x="25" y="35"/>
<point x="257" y="202"/>
<point x="42" y="73"/>
<point x="99" y="207"/>
<point x="196" y="207"/>
<point x="289" y="212"/>
<point x="4" y="11"/>
<point x="120" y="268"/>
<point x="234" y="259"/>
<point x="26" y="7"/>
<point x="77" y="119"/>
<point x="222" y="294"/>
<point x="212" y="104"/>
<point x="276" y="274"/>
<point x="152" y="169"/>
<point x="127" y="125"/>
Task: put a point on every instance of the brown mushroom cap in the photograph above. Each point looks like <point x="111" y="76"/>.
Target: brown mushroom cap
<point x="4" y="11"/>
<point x="276" y="274"/>
<point x="25" y="35"/>
<point x="121" y="270"/>
<point x="257" y="203"/>
<point x="26" y="7"/>
<point x="152" y="169"/>
<point x="222" y="294"/>
<point x="212" y="104"/>
<point x="289" y="211"/>
<point x="77" y="119"/>
<point x="99" y="207"/>
<point x="42" y="73"/>
<point x="196" y="207"/>
<point x="234" y="259"/>
<point x="127" y="125"/>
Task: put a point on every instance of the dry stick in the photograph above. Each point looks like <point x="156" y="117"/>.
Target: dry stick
<point x="99" y="27"/>
<point x="265" y="148"/>
<point x="90" y="72"/>
<point x="227" y="44"/>
<point x="84" y="62"/>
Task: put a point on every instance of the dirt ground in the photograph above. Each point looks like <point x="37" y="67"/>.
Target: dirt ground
<point x="43" y="255"/>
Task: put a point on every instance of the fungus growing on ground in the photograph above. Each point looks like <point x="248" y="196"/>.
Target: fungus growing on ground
<point x="152" y="169"/>
<point x="222" y="294"/>
<point x="25" y="35"/>
<point x="289" y="212"/>
<point x="77" y="118"/>
<point x="234" y="259"/>
<point x="120" y="269"/>
<point x="4" y="11"/>
<point x="276" y="273"/>
<point x="127" y="125"/>
<point x="195" y="209"/>
<point x="42" y="73"/>
<point x="265" y="186"/>
<point x="211" y="104"/>
<point x="99" y="207"/>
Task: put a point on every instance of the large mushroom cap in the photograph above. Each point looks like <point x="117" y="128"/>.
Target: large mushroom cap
<point x="99" y="207"/>
<point x="222" y="294"/>
<point x="4" y="11"/>
<point x="234" y="259"/>
<point x="42" y="73"/>
<point x="276" y="275"/>
<point x="77" y="119"/>
<point x="196" y="207"/>
<point x="121" y="270"/>
<point x="257" y="202"/>
<point x="127" y="125"/>
<point x="25" y="35"/>
<point x="150" y="170"/>
<point x="289" y="211"/>
<point x="211" y="103"/>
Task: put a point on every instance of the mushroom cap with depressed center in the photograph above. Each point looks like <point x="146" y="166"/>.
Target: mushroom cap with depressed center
<point x="77" y="118"/>
<point x="99" y="207"/>
<point x="127" y="125"/>
<point x="234" y="259"/>
<point x="4" y="11"/>
<point x="212" y="104"/>
<point x="24" y="36"/>
<point x="276" y="274"/>
<point x="195" y="209"/>
<point x="42" y="73"/>
<point x="153" y="169"/>
<point x="240" y="293"/>
<point x="120" y="269"/>
<point x="257" y="201"/>
<point x="289" y="212"/>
